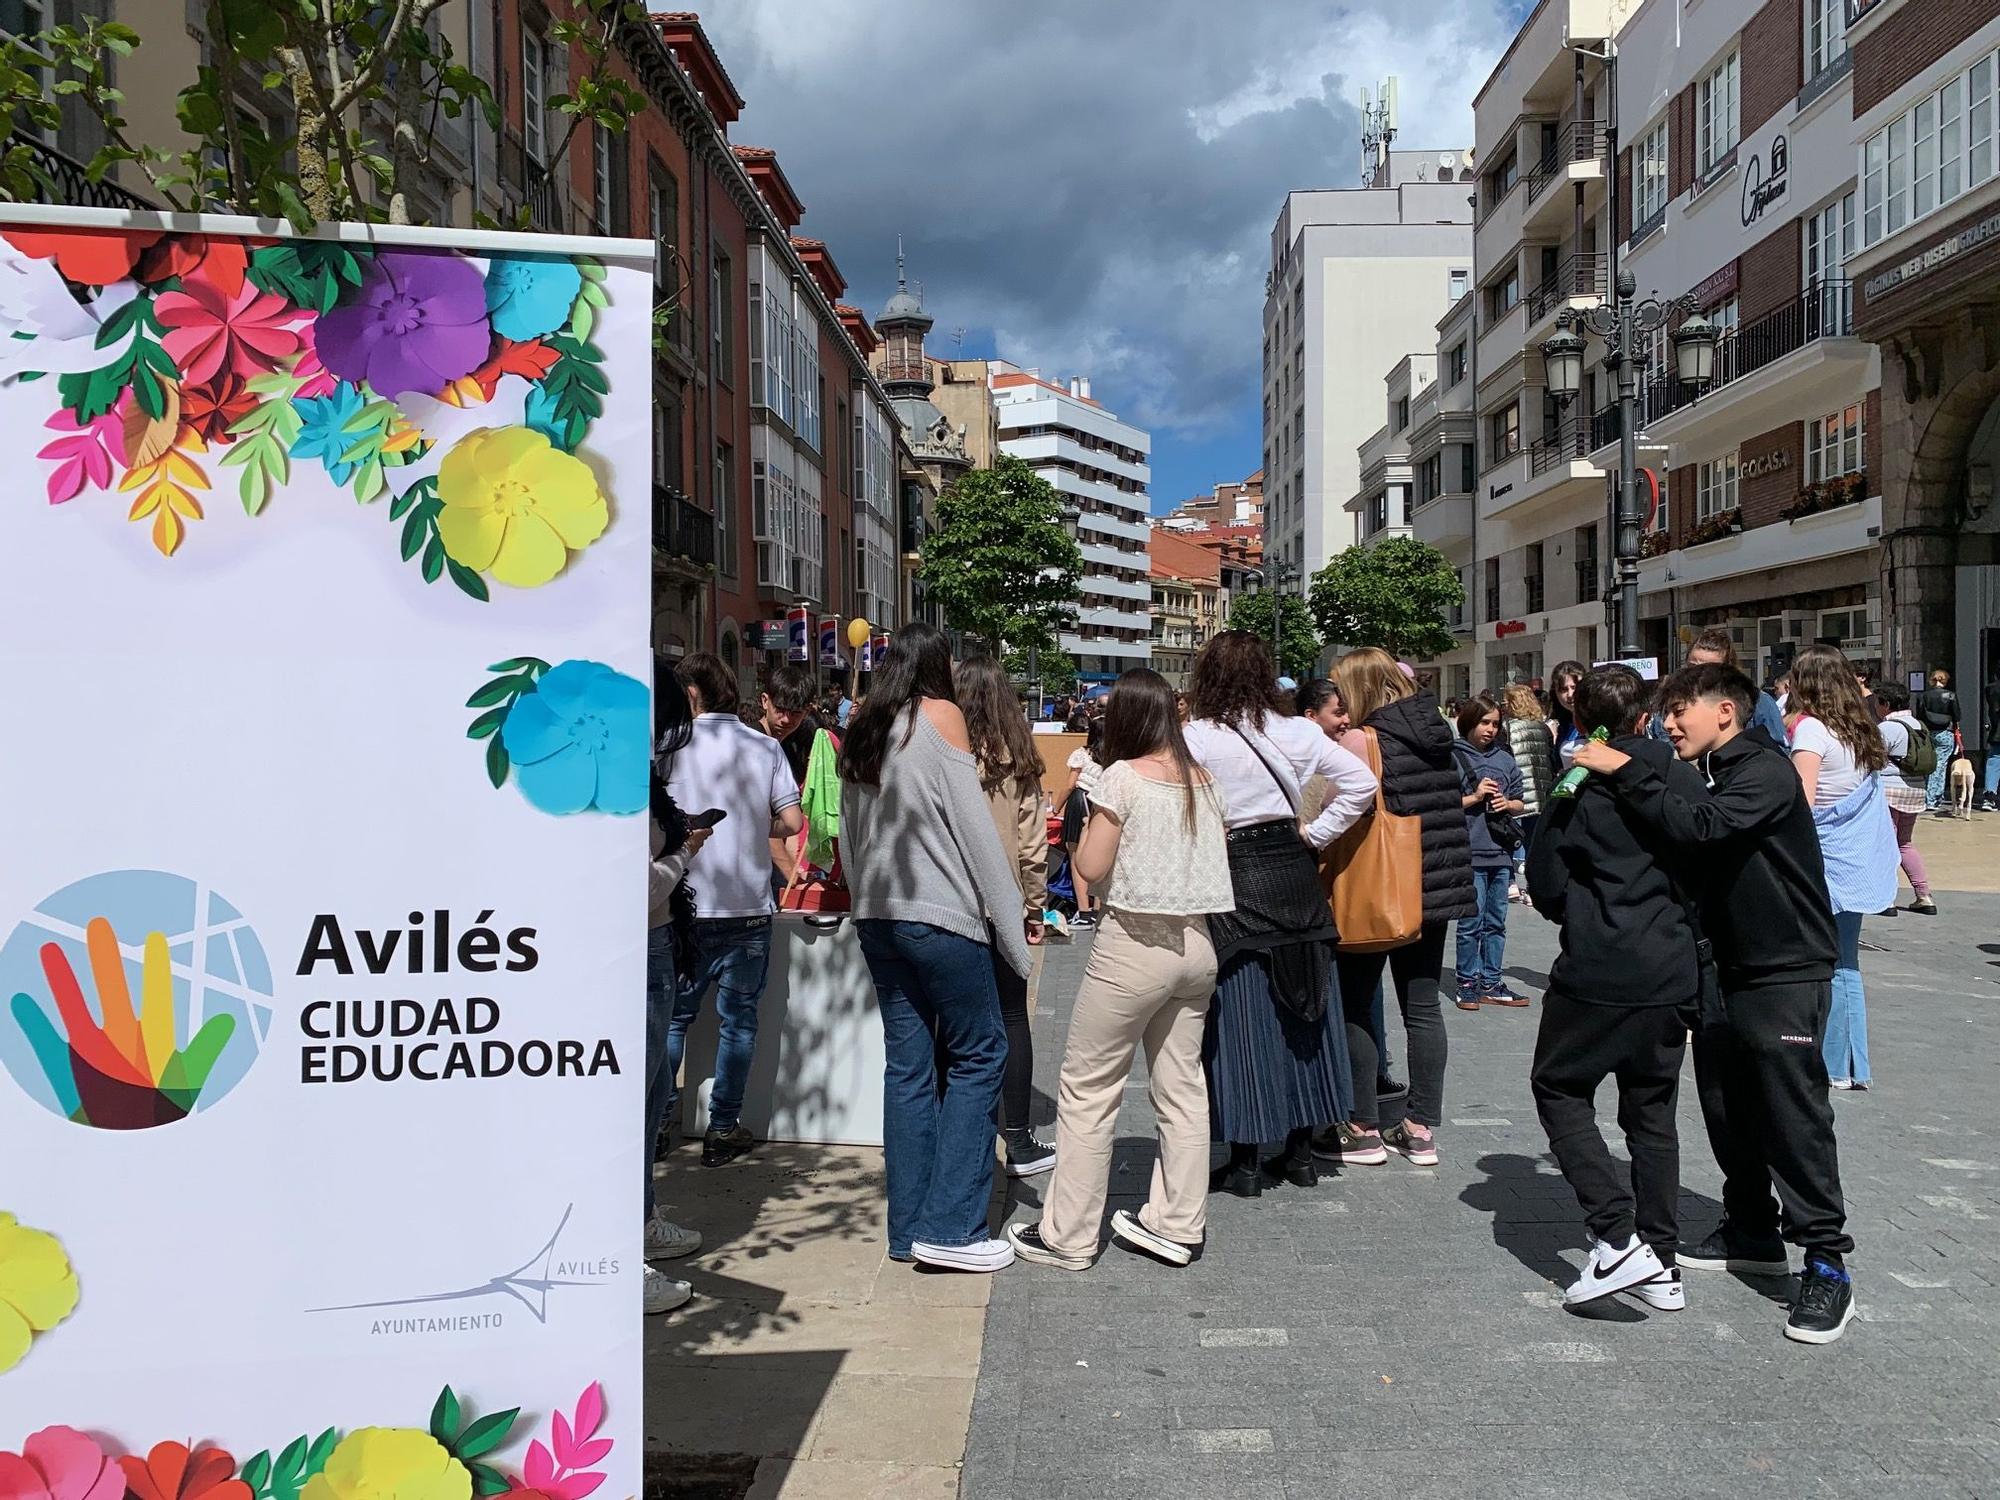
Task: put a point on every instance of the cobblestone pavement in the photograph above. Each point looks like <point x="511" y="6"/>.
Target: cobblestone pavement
<point x="1397" y="1330"/>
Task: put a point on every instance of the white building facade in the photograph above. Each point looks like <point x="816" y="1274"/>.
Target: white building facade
<point x="1102" y="467"/>
<point x="1444" y="476"/>
<point x="1354" y="273"/>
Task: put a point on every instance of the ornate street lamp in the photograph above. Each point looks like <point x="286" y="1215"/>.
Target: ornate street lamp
<point x="1623" y="326"/>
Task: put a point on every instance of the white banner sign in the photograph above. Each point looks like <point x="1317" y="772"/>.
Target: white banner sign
<point x="324" y="602"/>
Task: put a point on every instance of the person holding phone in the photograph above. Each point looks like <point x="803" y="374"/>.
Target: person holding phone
<point x="1491" y="794"/>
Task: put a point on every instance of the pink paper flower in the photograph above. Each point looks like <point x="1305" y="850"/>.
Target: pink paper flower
<point x="60" y="1463"/>
<point x="210" y="330"/>
<point x="318" y="379"/>
<point x="84" y="455"/>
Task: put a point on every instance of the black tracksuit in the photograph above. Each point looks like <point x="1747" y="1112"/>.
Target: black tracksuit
<point x="1620" y="1000"/>
<point x="1760" y="885"/>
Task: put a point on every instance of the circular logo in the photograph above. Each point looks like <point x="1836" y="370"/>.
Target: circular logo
<point x="132" y="999"/>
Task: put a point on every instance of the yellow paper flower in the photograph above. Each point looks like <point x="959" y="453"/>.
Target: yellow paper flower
<point x="37" y="1288"/>
<point x="390" y="1463"/>
<point x="515" y="505"/>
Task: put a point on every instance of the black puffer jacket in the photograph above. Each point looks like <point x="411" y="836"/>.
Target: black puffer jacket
<point x="1420" y="777"/>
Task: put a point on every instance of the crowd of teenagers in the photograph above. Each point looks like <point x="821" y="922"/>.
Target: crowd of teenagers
<point x="1265" y="866"/>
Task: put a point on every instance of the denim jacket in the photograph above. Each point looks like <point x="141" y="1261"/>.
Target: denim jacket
<point x="1858" y="842"/>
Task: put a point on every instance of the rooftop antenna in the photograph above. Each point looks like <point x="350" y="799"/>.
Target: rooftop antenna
<point x="901" y="284"/>
<point x="1378" y="128"/>
<point x="958" y="340"/>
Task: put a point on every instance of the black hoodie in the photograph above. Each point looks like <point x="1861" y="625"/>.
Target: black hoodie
<point x="1420" y="778"/>
<point x="1608" y="877"/>
<point x="1761" y="883"/>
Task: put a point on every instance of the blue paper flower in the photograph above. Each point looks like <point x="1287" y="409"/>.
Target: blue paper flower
<point x="581" y="739"/>
<point x="322" y="428"/>
<point x="543" y="412"/>
<point x="530" y="295"/>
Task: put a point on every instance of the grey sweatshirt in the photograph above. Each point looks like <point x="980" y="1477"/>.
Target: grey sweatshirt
<point x="921" y="847"/>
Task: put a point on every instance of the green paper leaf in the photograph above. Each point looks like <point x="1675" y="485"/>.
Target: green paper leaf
<point x="400" y="506"/>
<point x="486" y="1434"/>
<point x="413" y="535"/>
<point x="468" y="581"/>
<point x="433" y="563"/>
<point x="520" y="663"/>
<point x="256" y="1471"/>
<point x="497" y="766"/>
<point x="321" y="1451"/>
<point x="290" y="1461"/>
<point x="499" y="690"/>
<point x="444" y="1417"/>
<point x="487" y="722"/>
<point x="368" y="482"/>
<point x="254" y="487"/>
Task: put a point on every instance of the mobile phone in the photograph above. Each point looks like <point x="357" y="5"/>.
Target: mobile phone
<point x="707" y="819"/>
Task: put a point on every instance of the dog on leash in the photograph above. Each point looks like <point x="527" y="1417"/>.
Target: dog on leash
<point x="1963" y="783"/>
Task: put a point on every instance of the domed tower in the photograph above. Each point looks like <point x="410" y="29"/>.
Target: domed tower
<point x="906" y="378"/>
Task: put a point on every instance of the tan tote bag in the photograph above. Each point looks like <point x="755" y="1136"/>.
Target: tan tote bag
<point x="1373" y="874"/>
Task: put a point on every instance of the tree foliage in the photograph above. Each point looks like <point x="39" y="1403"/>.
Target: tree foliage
<point x="365" y="81"/>
<point x="1395" y="595"/>
<point x="1299" y="653"/>
<point x="1000" y="563"/>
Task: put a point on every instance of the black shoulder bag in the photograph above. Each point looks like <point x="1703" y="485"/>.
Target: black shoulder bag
<point x="1500" y="824"/>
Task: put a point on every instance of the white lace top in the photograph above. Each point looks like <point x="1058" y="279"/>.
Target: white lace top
<point x="1164" y="867"/>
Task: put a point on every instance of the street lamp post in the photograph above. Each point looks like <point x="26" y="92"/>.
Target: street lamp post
<point x="1622" y="325"/>
<point x="1280" y="576"/>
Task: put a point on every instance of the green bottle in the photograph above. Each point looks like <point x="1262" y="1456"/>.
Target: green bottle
<point x="1575" y="776"/>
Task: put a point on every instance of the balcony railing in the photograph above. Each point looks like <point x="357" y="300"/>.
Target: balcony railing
<point x="1568" y="439"/>
<point x="681" y="528"/>
<point x="1574" y="276"/>
<point x="64" y="179"/>
<point x="1576" y="140"/>
<point x="1607" y="425"/>
<point x="1824" y="310"/>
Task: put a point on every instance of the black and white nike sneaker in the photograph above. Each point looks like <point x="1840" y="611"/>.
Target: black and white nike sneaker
<point x="1664" y="1292"/>
<point x="1614" y="1268"/>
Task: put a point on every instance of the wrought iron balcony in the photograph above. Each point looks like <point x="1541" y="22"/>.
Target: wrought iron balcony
<point x="1576" y="140"/>
<point x="1574" y="276"/>
<point x="681" y="528"/>
<point x="1824" y="310"/>
<point x="64" y="179"/>
<point x="1568" y="439"/>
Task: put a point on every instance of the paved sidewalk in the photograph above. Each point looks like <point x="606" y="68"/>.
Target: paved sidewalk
<point x="1397" y="1330"/>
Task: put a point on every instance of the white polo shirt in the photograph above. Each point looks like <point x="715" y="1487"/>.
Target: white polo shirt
<point x="742" y="771"/>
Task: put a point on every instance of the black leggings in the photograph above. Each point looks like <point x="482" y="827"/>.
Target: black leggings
<point x="1018" y="1082"/>
<point x="1414" y="968"/>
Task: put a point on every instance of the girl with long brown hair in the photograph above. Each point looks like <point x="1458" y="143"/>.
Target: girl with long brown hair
<point x="1838" y="752"/>
<point x="1154" y="849"/>
<point x="1010" y="772"/>
<point x="1275" y="1047"/>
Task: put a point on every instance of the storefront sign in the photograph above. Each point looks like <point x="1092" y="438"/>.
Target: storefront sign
<point x="1509" y="627"/>
<point x="1717" y="285"/>
<point x="320" y="934"/>
<point x="1922" y="264"/>
<point x="881" y="650"/>
<point x="1764" y="185"/>
<point x="1647" y="667"/>
<point x="770" y="635"/>
<point x="829" y="640"/>
<point x="798" y="633"/>
<point x="1775" y="461"/>
<point x="1856" y="9"/>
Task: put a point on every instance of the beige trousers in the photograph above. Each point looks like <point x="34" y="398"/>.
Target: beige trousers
<point x="1149" y="981"/>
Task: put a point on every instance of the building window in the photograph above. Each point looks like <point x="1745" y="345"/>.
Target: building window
<point x="1460" y="280"/>
<point x="1402" y="413"/>
<point x="1829" y="241"/>
<point x="1492" y="589"/>
<point x="1933" y="153"/>
<point x="1659" y="520"/>
<point x="1531" y="576"/>
<point x="1834" y="444"/>
<point x="1724" y="316"/>
<point x="535" y="95"/>
<point x="725" y="505"/>
<point x="1406" y="503"/>
<point x="1715" y="487"/>
<point x="1715" y="114"/>
<point x="1505" y="430"/>
<point x="1504" y="294"/>
<point x="1455" y="365"/>
<point x="1589" y="575"/>
<point x="663" y="224"/>
<point x="1468" y="473"/>
<point x="1979" y="120"/>
<point x="1826" y="35"/>
<point x="667" y="440"/>
<point x="1500" y="181"/>
<point x="1649" y="176"/>
<point x="721" y="322"/>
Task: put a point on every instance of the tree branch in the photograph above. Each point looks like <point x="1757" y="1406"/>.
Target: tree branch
<point x="236" y="165"/>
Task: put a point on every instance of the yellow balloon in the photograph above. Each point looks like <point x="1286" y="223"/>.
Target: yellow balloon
<point x="858" y="632"/>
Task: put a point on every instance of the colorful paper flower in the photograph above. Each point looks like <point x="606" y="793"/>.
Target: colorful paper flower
<point x="417" y="324"/>
<point x="94" y="257"/>
<point x="37" y="1287"/>
<point x="515" y="506"/>
<point x="60" y="1463"/>
<point x="210" y="331"/>
<point x="323" y="431"/>
<point x="389" y="1463"/>
<point x="84" y="454"/>
<point x="530" y="295"/>
<point x="218" y="259"/>
<point x="580" y="740"/>
<point x="213" y="409"/>
<point x="314" y="378"/>
<point x="172" y="1472"/>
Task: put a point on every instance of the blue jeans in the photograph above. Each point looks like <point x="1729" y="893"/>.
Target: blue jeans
<point x="1482" y="937"/>
<point x="734" y="955"/>
<point x="1940" y="778"/>
<point x="939" y="1009"/>
<point x="659" y="1017"/>
<point x="1845" y="1041"/>
<point x="1992" y="782"/>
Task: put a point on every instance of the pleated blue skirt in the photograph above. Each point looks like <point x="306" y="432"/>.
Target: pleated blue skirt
<point x="1269" y="1072"/>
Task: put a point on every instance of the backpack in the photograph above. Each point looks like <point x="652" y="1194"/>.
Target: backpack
<point x="1922" y="757"/>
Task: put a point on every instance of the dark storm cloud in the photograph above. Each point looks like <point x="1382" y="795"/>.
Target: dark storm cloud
<point x="1094" y="182"/>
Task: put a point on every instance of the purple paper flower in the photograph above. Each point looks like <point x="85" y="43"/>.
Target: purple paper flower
<point x="417" y="324"/>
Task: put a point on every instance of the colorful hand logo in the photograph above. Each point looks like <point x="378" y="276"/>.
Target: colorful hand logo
<point x="125" y="1072"/>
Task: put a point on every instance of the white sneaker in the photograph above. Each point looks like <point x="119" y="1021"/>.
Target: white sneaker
<point x="1613" y="1268"/>
<point x="666" y="1240"/>
<point x="1664" y="1291"/>
<point x="980" y="1255"/>
<point x="664" y="1293"/>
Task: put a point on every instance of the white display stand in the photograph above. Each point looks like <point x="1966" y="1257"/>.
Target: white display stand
<point x="817" y="1073"/>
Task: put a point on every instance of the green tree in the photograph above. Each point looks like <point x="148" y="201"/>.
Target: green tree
<point x="1394" y="595"/>
<point x="1051" y="664"/>
<point x="1000" y="563"/>
<point x="365" y="80"/>
<point x="1300" y="651"/>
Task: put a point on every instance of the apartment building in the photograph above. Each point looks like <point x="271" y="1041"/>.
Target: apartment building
<point x="1187" y="603"/>
<point x="1234" y="503"/>
<point x="1382" y="506"/>
<point x="1444" y="468"/>
<point x="1101" y="466"/>
<point x="1352" y="270"/>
